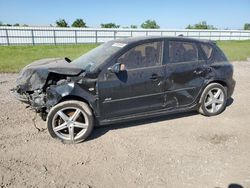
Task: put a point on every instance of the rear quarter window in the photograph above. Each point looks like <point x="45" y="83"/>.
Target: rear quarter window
<point x="208" y="50"/>
<point x="219" y="55"/>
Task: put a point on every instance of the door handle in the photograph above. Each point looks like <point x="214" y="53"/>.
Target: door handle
<point x="154" y="77"/>
<point x="198" y="71"/>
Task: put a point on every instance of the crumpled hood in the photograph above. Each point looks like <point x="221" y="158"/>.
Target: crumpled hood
<point x="34" y="75"/>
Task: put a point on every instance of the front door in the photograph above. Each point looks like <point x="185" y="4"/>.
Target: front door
<point x="139" y="88"/>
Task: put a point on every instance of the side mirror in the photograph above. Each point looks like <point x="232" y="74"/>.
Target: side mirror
<point x="116" y="68"/>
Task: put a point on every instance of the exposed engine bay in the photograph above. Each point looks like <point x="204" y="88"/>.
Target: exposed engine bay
<point x="47" y="82"/>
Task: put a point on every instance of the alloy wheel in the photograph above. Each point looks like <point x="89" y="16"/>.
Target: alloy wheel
<point x="214" y="100"/>
<point x="70" y="123"/>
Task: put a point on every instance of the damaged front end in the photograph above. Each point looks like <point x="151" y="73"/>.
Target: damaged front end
<point x="46" y="82"/>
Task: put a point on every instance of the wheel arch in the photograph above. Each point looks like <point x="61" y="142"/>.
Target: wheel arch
<point x="73" y="97"/>
<point x="77" y="98"/>
<point x="221" y="82"/>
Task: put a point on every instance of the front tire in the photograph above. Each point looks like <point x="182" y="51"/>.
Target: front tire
<point x="70" y="121"/>
<point x="213" y="100"/>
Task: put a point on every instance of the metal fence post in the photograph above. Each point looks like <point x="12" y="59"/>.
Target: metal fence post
<point x="76" y="36"/>
<point x="96" y="37"/>
<point x="32" y="37"/>
<point x="54" y="34"/>
<point x="7" y="37"/>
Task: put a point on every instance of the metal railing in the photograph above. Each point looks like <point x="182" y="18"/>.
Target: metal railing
<point x="56" y="36"/>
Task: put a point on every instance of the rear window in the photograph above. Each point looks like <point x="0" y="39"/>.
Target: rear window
<point x="207" y="50"/>
<point x="182" y="52"/>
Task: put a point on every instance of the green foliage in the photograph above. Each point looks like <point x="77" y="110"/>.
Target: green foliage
<point x="247" y="26"/>
<point x="150" y="24"/>
<point x="17" y="24"/>
<point x="133" y="26"/>
<point x="24" y="55"/>
<point x="109" y="25"/>
<point x="79" y="23"/>
<point x="201" y="25"/>
<point x="235" y="51"/>
<point x="3" y="24"/>
<point x="61" y="23"/>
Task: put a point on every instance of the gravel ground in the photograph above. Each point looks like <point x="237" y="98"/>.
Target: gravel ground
<point x="185" y="150"/>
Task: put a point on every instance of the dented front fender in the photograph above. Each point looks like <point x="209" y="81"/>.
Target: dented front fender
<point x="57" y="93"/>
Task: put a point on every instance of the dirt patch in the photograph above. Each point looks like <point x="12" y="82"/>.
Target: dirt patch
<point x="216" y="138"/>
<point x="184" y="150"/>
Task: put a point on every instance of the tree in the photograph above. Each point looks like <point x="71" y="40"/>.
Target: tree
<point x="190" y="27"/>
<point x="61" y="23"/>
<point x="17" y="24"/>
<point x="201" y="25"/>
<point x="150" y="24"/>
<point x="109" y="25"/>
<point x="133" y="26"/>
<point x="79" y="23"/>
<point x="247" y="26"/>
<point x="3" y="24"/>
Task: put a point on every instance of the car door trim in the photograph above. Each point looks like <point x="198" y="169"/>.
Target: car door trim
<point x="141" y="96"/>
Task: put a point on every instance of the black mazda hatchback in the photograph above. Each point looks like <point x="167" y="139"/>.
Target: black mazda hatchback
<point x="126" y="79"/>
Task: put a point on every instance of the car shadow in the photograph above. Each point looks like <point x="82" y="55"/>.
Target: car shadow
<point x="230" y="101"/>
<point x="100" y="131"/>
<point x="234" y="185"/>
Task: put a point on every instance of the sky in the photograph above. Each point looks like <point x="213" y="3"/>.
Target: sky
<point x="175" y="14"/>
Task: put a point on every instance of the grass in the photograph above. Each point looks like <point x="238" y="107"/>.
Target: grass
<point x="236" y="50"/>
<point x="14" y="58"/>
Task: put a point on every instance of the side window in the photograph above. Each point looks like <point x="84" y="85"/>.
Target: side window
<point x="182" y="51"/>
<point x="207" y="50"/>
<point x="145" y="55"/>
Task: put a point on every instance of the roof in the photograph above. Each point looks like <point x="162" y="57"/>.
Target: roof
<point x="138" y="39"/>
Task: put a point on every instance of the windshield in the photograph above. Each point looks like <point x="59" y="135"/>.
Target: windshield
<point x="94" y="58"/>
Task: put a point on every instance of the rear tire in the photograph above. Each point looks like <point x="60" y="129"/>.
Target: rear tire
<point x="70" y="121"/>
<point x="213" y="100"/>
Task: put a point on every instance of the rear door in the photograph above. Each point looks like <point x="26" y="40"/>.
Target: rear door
<point x="139" y="88"/>
<point x="185" y="72"/>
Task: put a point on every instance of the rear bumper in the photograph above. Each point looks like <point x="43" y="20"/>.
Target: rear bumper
<point x="230" y="88"/>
